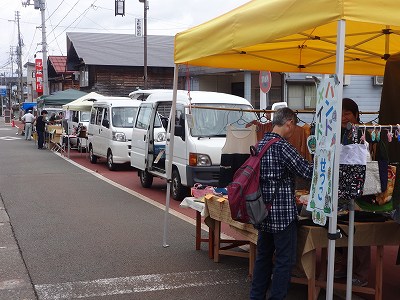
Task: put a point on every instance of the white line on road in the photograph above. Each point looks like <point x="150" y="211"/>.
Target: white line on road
<point x="138" y="284"/>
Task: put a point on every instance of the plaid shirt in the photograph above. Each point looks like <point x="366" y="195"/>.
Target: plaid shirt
<point x="279" y="165"/>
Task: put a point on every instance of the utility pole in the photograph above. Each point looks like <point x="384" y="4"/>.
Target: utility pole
<point x="12" y="75"/>
<point x="41" y="5"/>
<point x="146" y="7"/>
<point x="19" y="55"/>
<point x="44" y="49"/>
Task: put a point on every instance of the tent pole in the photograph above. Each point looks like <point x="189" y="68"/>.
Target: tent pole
<point x="170" y="153"/>
<point x="333" y="220"/>
<point x="349" y="281"/>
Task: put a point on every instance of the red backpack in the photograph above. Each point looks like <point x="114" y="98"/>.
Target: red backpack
<point x="244" y="192"/>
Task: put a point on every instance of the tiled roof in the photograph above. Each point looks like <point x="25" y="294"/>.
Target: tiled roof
<point x="58" y="63"/>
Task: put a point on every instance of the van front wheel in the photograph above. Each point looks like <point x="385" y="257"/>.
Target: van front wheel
<point x="146" y="179"/>
<point x="110" y="161"/>
<point x="92" y="157"/>
<point x="178" y="191"/>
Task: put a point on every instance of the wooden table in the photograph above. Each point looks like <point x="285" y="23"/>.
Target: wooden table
<point x="310" y="238"/>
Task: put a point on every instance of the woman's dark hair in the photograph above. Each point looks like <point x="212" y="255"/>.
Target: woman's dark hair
<point x="350" y="105"/>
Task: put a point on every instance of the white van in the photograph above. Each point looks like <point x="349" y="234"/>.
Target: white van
<point x="110" y="129"/>
<point x="197" y="149"/>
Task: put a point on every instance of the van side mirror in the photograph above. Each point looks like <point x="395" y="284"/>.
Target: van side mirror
<point x="106" y="123"/>
<point x="180" y="131"/>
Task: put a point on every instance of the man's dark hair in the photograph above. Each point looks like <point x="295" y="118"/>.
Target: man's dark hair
<point x="44" y="112"/>
<point x="282" y="115"/>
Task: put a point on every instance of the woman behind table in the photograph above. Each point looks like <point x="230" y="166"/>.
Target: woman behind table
<point x="362" y="254"/>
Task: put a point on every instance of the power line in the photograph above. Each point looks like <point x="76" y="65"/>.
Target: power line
<point x="64" y="17"/>
<point x="85" y="11"/>
<point x="55" y="10"/>
<point x="59" y="48"/>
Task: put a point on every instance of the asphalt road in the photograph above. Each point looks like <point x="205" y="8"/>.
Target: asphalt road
<point x="67" y="234"/>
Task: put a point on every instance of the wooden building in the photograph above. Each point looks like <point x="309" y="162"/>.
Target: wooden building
<point x="112" y="64"/>
<point x="60" y="78"/>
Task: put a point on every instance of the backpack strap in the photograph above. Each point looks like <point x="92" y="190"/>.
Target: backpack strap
<point x="267" y="145"/>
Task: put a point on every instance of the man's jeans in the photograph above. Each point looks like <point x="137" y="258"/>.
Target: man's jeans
<point x="284" y="244"/>
<point x="40" y="139"/>
<point x="28" y="131"/>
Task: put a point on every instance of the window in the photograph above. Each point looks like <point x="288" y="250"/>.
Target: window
<point x="302" y="96"/>
<point x="99" y="114"/>
<point x="84" y="77"/>
<point x="123" y="116"/>
<point x="93" y="116"/>
<point x="143" y="118"/>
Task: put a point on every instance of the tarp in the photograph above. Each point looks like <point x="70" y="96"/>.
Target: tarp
<point x="295" y="36"/>
<point x="28" y="105"/>
<point x="83" y="103"/>
<point x="60" y="98"/>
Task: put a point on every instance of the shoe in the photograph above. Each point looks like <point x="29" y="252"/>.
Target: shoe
<point x="359" y="282"/>
<point x="340" y="274"/>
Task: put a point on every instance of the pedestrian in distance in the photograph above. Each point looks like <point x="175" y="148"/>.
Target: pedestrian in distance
<point x="28" y="120"/>
<point x="277" y="234"/>
<point x="41" y="122"/>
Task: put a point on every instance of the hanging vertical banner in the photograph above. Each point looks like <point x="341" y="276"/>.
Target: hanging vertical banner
<point x="39" y="75"/>
<point x="138" y="27"/>
<point x="320" y="202"/>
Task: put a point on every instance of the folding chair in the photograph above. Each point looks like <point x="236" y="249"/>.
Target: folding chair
<point x="57" y="144"/>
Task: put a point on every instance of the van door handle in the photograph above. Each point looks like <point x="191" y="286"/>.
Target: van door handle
<point x="144" y="138"/>
<point x="99" y="130"/>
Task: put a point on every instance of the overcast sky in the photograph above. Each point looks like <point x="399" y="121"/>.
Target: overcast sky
<point x="165" y="17"/>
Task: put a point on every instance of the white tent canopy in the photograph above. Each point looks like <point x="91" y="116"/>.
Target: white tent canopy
<point x="83" y="103"/>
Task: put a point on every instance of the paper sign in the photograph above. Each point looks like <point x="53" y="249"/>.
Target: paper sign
<point x="320" y="203"/>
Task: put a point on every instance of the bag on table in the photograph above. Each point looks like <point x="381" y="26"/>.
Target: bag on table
<point x="353" y="161"/>
<point x="383" y="201"/>
<point x="244" y="193"/>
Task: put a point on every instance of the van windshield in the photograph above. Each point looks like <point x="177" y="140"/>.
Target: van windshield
<point x="85" y="116"/>
<point x="123" y="116"/>
<point x="210" y="122"/>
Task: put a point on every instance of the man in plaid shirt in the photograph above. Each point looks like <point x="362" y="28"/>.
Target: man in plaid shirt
<point x="278" y="232"/>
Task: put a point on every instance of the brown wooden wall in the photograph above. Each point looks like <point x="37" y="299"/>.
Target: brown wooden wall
<point x="120" y="81"/>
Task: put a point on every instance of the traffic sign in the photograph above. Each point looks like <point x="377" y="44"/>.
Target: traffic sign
<point x="3" y="90"/>
<point x="264" y="80"/>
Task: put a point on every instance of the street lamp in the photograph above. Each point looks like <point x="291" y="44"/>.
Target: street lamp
<point x="146" y="7"/>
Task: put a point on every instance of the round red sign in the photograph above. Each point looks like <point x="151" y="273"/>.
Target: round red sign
<point x="265" y="81"/>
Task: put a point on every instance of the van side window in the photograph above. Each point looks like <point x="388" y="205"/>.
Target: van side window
<point x="143" y="117"/>
<point x="99" y="114"/>
<point x="93" y="115"/>
<point x="105" y="117"/>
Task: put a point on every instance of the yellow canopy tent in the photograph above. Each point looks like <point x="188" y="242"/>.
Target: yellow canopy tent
<point x="325" y="36"/>
<point x="295" y="36"/>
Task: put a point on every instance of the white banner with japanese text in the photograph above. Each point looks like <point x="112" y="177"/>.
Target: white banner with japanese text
<point x="320" y="202"/>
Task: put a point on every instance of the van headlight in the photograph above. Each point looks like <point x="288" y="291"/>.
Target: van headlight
<point x="119" y="136"/>
<point x="199" y="160"/>
<point x="161" y="137"/>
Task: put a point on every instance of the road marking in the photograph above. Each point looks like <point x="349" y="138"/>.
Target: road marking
<point x="9" y="138"/>
<point x="4" y="129"/>
<point x="139" y="284"/>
